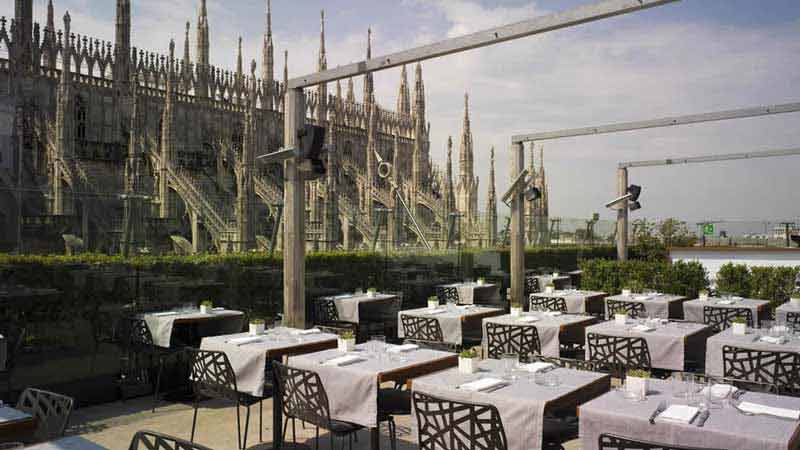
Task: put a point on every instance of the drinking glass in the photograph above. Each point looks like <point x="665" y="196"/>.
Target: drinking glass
<point x="377" y="344"/>
<point x="359" y="291"/>
<point x="510" y="363"/>
<point x="681" y="384"/>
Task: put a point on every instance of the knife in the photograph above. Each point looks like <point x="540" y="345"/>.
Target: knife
<point x="661" y="408"/>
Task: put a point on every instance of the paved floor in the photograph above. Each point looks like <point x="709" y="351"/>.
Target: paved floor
<point x="112" y="425"/>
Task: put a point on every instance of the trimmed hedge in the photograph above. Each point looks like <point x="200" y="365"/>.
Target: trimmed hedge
<point x="768" y="283"/>
<point x="679" y="278"/>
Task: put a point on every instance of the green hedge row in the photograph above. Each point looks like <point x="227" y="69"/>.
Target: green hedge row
<point x="679" y="278"/>
<point x="769" y="283"/>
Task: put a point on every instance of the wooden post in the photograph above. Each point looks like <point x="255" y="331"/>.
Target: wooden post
<point x="622" y="215"/>
<point x="294" y="269"/>
<point x="517" y="226"/>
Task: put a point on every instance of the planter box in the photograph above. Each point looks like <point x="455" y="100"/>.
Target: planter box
<point x="468" y="365"/>
<point x="637" y="386"/>
<point x="516" y="311"/>
<point x="346" y="345"/>
<point x="739" y="329"/>
<point x="256" y="329"/>
<point x="205" y="309"/>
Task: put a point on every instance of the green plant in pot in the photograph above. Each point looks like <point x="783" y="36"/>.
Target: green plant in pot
<point x="620" y="315"/>
<point x="257" y="327"/>
<point x="481" y="281"/>
<point x="468" y="361"/>
<point x="637" y="382"/>
<point x="346" y="341"/>
<point x="516" y="307"/>
<point x="371" y="292"/>
<point x="739" y="326"/>
<point x="550" y="288"/>
<point x="702" y="294"/>
<point x="433" y="302"/>
<point x="206" y="306"/>
<point x="627" y="290"/>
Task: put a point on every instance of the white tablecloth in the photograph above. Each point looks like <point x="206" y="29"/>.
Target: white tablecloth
<point x="548" y="327"/>
<point x="451" y="321"/>
<point x="215" y="323"/>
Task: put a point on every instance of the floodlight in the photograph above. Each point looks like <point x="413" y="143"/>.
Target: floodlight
<point x="635" y="191"/>
<point x="633" y="206"/>
<point x="532" y="193"/>
<point x="515" y="186"/>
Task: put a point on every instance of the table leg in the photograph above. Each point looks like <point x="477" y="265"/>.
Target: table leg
<point x="374" y="438"/>
<point x="277" y="413"/>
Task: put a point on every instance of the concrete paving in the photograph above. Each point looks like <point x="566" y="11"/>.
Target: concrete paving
<point x="113" y="425"/>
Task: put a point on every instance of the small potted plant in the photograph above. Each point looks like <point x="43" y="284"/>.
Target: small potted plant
<point x="468" y="361"/>
<point x="481" y="281"/>
<point x="206" y="306"/>
<point x="550" y="288"/>
<point x="257" y="327"/>
<point x="637" y="382"/>
<point x="795" y="298"/>
<point x="739" y="326"/>
<point x="620" y="316"/>
<point x="626" y="290"/>
<point x="371" y="292"/>
<point x="347" y="341"/>
<point x="433" y="302"/>
<point x="703" y="294"/>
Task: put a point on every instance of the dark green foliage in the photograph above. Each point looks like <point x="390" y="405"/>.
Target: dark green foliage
<point x="768" y="283"/>
<point x="679" y="278"/>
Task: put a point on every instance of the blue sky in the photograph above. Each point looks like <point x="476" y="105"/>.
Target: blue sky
<point x="691" y="56"/>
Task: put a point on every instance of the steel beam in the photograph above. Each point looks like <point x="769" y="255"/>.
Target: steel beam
<point x="660" y="123"/>
<point x="576" y="16"/>
<point x="712" y="158"/>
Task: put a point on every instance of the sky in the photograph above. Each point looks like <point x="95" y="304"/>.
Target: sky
<point x="688" y="57"/>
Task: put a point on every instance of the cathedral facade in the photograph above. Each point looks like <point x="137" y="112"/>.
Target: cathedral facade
<point x="121" y="150"/>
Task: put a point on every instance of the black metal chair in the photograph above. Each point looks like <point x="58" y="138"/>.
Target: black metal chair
<point x="213" y="377"/>
<point x="447" y="294"/>
<point x="326" y="315"/>
<point x="138" y="348"/>
<point x="618" y="354"/>
<point x="151" y="440"/>
<point x="793" y="320"/>
<point x="522" y="340"/>
<point x="569" y="363"/>
<point x="722" y="318"/>
<point x="614" y="442"/>
<point x="50" y="410"/>
<point x="752" y="386"/>
<point x="15" y="337"/>
<point x="531" y="285"/>
<point x="450" y="424"/>
<point x="382" y="320"/>
<point x="548" y="303"/>
<point x="423" y="331"/>
<point x="633" y="309"/>
<point x="304" y="398"/>
<point x="781" y="369"/>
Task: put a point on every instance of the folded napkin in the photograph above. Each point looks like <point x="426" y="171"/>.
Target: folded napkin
<point x="720" y="390"/>
<point x="780" y="328"/>
<point x="536" y="367"/>
<point x="643" y="328"/>
<point x="552" y="313"/>
<point x="435" y="311"/>
<point x="773" y="340"/>
<point x="165" y="313"/>
<point x="679" y="413"/>
<point x="642" y="297"/>
<point x="244" y="340"/>
<point x="724" y="302"/>
<point x="342" y="296"/>
<point x="755" y="408"/>
<point x="527" y="319"/>
<point x="343" y="360"/>
<point x="306" y="332"/>
<point x="218" y="309"/>
<point x="403" y="348"/>
<point x="481" y="385"/>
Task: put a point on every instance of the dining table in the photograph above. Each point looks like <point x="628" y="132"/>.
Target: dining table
<point x="725" y="427"/>
<point x="672" y="345"/>
<point x="751" y="340"/>
<point x="693" y="310"/>
<point x="15" y="424"/>
<point x="578" y="301"/>
<point x="782" y="311"/>
<point x="472" y="293"/>
<point x="657" y="305"/>
<point x="218" y="321"/>
<point x="553" y="328"/>
<point x="352" y="307"/>
<point x="522" y="399"/>
<point x="352" y="389"/>
<point x="456" y="322"/>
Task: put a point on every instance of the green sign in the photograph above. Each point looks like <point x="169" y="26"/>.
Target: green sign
<point x="708" y="229"/>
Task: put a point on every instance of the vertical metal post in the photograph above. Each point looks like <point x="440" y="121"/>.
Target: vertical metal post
<point x="294" y="269"/>
<point x="517" y="226"/>
<point x="622" y="215"/>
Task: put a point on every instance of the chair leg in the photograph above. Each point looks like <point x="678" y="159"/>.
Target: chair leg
<point x="316" y="439"/>
<point x="158" y="383"/>
<point x="294" y="433"/>
<point x="246" y="427"/>
<point x="194" y="421"/>
<point x="261" y="421"/>
<point x="392" y="433"/>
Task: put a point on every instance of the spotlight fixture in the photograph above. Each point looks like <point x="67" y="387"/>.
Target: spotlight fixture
<point x="631" y="199"/>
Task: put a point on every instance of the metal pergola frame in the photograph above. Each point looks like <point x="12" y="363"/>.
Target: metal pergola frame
<point x="518" y="141"/>
<point x="294" y="121"/>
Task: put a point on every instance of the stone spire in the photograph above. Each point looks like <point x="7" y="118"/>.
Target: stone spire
<point x="122" y="51"/>
<point x="49" y="54"/>
<point x="268" y="61"/>
<point x="51" y="24"/>
<point x="285" y="68"/>
<point x="371" y="162"/>
<point x="239" y="61"/>
<point x="419" y="96"/>
<point x="23" y="29"/>
<point x="449" y="201"/>
<point x="245" y="166"/>
<point x="404" y="94"/>
<point x="203" y="51"/>
<point x="351" y="92"/>
<point x="65" y="128"/>
<point x="491" y="205"/>
<point x="322" y="64"/>
<point x="467" y="195"/>
<point x="420" y="135"/>
<point x="186" y="53"/>
<point x="369" y="86"/>
<point x="168" y="138"/>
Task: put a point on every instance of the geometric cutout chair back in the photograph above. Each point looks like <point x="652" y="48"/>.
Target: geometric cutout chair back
<point x="303" y="395"/>
<point x="793" y="320"/>
<point x="612" y="442"/>
<point x="531" y="285"/>
<point x="136" y="333"/>
<point x="722" y="318"/>
<point x="423" y="329"/>
<point x="632" y="309"/>
<point x="151" y="440"/>
<point x="568" y="363"/>
<point x="51" y="411"/>
<point x="15" y="338"/>
<point x="619" y="352"/>
<point x="325" y="311"/>
<point x="781" y="369"/>
<point x="548" y="303"/>
<point x="212" y="374"/>
<point x="517" y="339"/>
<point x="453" y="425"/>
<point x="447" y="294"/>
